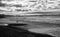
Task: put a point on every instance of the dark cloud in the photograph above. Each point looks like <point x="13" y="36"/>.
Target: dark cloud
<point x="2" y="4"/>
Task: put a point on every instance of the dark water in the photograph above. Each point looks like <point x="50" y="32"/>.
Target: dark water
<point x="17" y="24"/>
<point x="15" y="32"/>
<point x="2" y="16"/>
